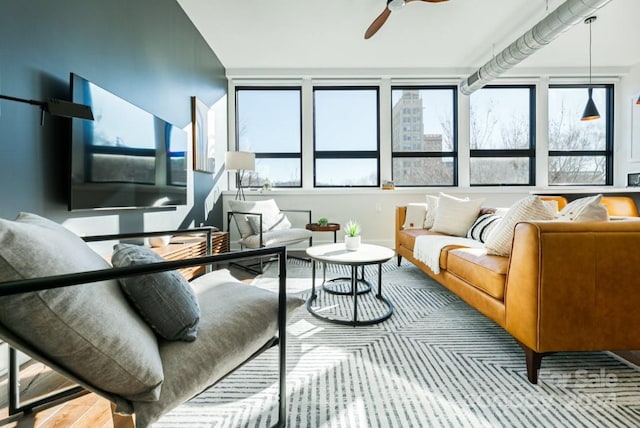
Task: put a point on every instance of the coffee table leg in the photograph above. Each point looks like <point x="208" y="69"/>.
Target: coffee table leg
<point x="379" y="280"/>
<point x="313" y="279"/>
<point x="354" y="288"/>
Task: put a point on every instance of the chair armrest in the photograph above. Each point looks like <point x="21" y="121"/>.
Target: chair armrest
<point x="299" y="211"/>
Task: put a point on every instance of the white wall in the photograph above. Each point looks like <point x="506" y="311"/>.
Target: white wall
<point x="627" y="143"/>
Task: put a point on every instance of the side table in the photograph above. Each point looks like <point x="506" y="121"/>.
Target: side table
<point x="329" y="227"/>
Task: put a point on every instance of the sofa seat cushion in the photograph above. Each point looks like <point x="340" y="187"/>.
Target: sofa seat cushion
<point x="236" y="321"/>
<point x="408" y="237"/>
<point x="277" y="237"/>
<point x="484" y="271"/>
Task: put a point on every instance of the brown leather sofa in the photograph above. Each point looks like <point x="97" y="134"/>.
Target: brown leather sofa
<point x="565" y="287"/>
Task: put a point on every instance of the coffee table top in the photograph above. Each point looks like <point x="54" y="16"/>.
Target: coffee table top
<point x="337" y="254"/>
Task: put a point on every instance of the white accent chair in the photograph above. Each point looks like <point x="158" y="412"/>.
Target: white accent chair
<point x="262" y="224"/>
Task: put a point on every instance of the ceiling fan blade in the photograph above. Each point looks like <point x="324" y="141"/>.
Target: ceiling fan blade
<point x="377" y="23"/>
<point x="427" y="1"/>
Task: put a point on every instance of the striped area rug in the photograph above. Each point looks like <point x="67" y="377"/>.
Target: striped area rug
<point x="435" y="363"/>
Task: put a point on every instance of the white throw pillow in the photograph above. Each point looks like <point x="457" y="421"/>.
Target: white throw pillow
<point x="430" y="216"/>
<point x="584" y="209"/>
<point x="415" y="216"/>
<point x="455" y="216"/>
<point x="530" y="208"/>
<point x="272" y="218"/>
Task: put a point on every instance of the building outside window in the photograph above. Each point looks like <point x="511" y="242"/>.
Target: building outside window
<point x="269" y="124"/>
<point x="346" y="137"/>
<point x="502" y="136"/>
<point x="580" y="152"/>
<point x="424" y="136"/>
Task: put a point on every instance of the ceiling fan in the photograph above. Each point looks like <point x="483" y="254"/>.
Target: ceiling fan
<point x="382" y="18"/>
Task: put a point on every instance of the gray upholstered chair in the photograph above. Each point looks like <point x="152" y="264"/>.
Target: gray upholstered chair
<point x="261" y="224"/>
<point x="92" y="334"/>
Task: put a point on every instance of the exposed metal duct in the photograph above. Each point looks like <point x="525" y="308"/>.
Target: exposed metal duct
<point x="544" y="32"/>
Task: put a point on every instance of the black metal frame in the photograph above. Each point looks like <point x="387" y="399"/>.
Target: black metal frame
<point x="57" y="281"/>
<point x="251" y="267"/>
<point x="272" y="155"/>
<point x="347" y="154"/>
<point x="426" y="155"/>
<point x="609" y="143"/>
<point x="528" y="153"/>
<point x="354" y="292"/>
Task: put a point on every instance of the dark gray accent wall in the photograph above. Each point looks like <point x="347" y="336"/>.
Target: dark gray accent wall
<point x="146" y="51"/>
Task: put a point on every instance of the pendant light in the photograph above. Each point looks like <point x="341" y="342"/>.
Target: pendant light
<point x="590" y="110"/>
<point x="638" y="101"/>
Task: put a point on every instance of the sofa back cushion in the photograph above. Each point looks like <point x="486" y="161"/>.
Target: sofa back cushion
<point x="272" y="218"/>
<point x="584" y="209"/>
<point x="88" y="329"/>
<point x="500" y="239"/>
<point x="455" y="216"/>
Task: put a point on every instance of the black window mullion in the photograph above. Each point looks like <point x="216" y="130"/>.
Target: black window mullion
<point x="515" y="153"/>
<point x="347" y="154"/>
<point x="453" y="154"/>
<point x="607" y="153"/>
<point x="425" y="154"/>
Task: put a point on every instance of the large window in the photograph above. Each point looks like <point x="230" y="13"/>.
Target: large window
<point x="424" y="136"/>
<point x="268" y="123"/>
<point x="502" y="136"/>
<point x="346" y="137"/>
<point x="580" y="152"/>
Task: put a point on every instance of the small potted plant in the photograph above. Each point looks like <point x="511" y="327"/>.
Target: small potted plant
<point x="352" y="235"/>
<point x="323" y="221"/>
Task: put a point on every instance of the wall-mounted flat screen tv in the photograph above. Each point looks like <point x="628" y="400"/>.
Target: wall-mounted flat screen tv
<point x="126" y="157"/>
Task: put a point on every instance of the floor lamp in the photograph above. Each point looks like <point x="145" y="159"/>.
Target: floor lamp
<point x="239" y="162"/>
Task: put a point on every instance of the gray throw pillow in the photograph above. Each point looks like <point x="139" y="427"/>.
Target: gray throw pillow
<point x="164" y="299"/>
<point x="90" y="329"/>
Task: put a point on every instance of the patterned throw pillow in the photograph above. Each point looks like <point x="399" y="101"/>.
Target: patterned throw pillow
<point x="500" y="239"/>
<point x="584" y="209"/>
<point x="483" y="226"/>
<point x="455" y="216"/>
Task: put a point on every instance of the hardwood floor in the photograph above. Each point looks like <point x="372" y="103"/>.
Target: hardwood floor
<point x="36" y="381"/>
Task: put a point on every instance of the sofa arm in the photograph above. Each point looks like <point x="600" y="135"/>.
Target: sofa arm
<point x="574" y="286"/>
<point x="401" y="215"/>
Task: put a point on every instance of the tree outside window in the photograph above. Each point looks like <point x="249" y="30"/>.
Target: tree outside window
<point x="502" y="128"/>
<point x="580" y="152"/>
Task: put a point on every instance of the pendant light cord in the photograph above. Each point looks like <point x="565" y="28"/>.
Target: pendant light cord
<point x="590" y="53"/>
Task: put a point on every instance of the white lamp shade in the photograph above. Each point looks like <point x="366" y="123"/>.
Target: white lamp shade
<point x="240" y="161"/>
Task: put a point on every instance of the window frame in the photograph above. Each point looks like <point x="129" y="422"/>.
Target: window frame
<point x="347" y="154"/>
<point x="431" y="154"/>
<point x="529" y="153"/>
<point x="273" y="155"/>
<point x="609" y="123"/>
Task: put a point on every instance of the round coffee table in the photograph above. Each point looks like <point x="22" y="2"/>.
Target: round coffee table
<point x="367" y="254"/>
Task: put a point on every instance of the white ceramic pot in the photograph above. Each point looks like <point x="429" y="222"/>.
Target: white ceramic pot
<point x="352" y="243"/>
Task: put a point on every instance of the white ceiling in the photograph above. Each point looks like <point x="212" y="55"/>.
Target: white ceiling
<point x="450" y="38"/>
